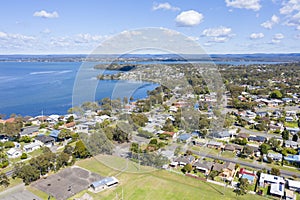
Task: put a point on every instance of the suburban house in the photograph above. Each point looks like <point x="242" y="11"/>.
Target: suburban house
<point x="182" y="161"/>
<point x="227" y="170"/>
<point x="273" y="156"/>
<point x="293" y="185"/>
<point x="32" y="146"/>
<point x="172" y="134"/>
<point x="289" y="195"/>
<point x="292" y="131"/>
<point x="29" y="131"/>
<point x="203" y="166"/>
<point x="81" y="128"/>
<point x="46" y="140"/>
<point x="250" y="176"/>
<point x="259" y="139"/>
<point x="277" y="189"/>
<point x="54" y="134"/>
<point x="69" y="125"/>
<point x="242" y="136"/>
<point x="276" y="127"/>
<point x="105" y="183"/>
<point x="290" y="144"/>
<point x="3" y="138"/>
<point x="248" y="120"/>
<point x="270" y="179"/>
<point x="229" y="147"/>
<point x="221" y="135"/>
<point x="14" y="152"/>
<point x="185" y="137"/>
<point x="214" y="144"/>
<point x="292" y="158"/>
<point x="277" y="184"/>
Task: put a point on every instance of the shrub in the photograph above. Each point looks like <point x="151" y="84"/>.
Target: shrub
<point x="24" y="156"/>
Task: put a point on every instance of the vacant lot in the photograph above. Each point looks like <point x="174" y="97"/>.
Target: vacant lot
<point x="158" y="184"/>
<point x="66" y="183"/>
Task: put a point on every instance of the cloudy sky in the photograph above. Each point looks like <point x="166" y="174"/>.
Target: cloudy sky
<point x="219" y="26"/>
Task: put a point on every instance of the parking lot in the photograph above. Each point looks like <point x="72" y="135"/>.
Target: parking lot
<point x="67" y="182"/>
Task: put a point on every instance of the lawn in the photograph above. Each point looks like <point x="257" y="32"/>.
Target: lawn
<point x="157" y="184"/>
<point x="12" y="183"/>
<point x="291" y="124"/>
<point x="39" y="193"/>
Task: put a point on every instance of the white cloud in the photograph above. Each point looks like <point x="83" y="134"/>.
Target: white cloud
<point x="246" y="4"/>
<point x="164" y="6"/>
<point x="254" y="36"/>
<point x="219" y="34"/>
<point x="189" y="18"/>
<point x="15" y="36"/>
<point x="15" y="41"/>
<point x="46" y="31"/>
<point x="270" y="23"/>
<point x="88" y="38"/>
<point x="277" y="38"/>
<point x="3" y="35"/>
<point x="291" y="10"/>
<point x="46" y="14"/>
<point x="289" y="7"/>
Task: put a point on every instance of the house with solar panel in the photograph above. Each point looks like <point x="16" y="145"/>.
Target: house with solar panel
<point x="104" y="184"/>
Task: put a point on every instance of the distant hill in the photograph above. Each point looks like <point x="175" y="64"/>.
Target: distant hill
<point x="292" y="57"/>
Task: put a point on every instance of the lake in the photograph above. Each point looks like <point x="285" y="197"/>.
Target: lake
<point x="28" y="88"/>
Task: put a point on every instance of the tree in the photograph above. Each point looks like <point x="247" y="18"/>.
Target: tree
<point x="25" y="139"/>
<point x="80" y="151"/>
<point x="275" y="171"/>
<point x="274" y="143"/>
<point x="28" y="173"/>
<point x="134" y="147"/>
<point x="247" y="150"/>
<point x="68" y="149"/>
<point x="213" y="174"/>
<point x="62" y="160"/>
<point x="264" y="148"/>
<point x="145" y="134"/>
<point x="177" y="150"/>
<point x="285" y="135"/>
<point x="4" y="181"/>
<point x="24" y="156"/>
<point x="243" y="187"/>
<point x="153" y="141"/>
<point x="276" y="94"/>
<point x="295" y="138"/>
<point x="168" y="126"/>
<point x="187" y="168"/>
<point x="70" y="119"/>
<point x="97" y="143"/>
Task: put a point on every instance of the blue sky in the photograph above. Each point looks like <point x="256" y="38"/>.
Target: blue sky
<point x="219" y="26"/>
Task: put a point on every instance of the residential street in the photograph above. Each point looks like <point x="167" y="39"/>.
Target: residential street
<point x="256" y="165"/>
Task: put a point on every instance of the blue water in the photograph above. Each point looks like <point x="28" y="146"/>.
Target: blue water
<point x="28" y="88"/>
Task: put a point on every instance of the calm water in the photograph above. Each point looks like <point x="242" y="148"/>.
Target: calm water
<point x="28" y="88"/>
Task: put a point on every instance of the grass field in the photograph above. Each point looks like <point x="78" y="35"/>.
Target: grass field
<point x="13" y="182"/>
<point x="291" y="124"/>
<point x="158" y="184"/>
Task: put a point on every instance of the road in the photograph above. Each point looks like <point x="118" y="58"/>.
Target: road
<point x="258" y="133"/>
<point x="256" y="165"/>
